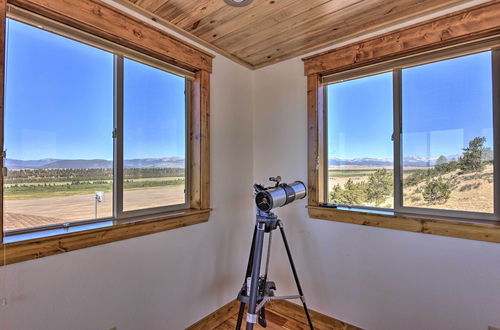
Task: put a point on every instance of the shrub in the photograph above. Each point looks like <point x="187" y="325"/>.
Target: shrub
<point x="351" y="194"/>
<point x="446" y="167"/>
<point x="436" y="191"/>
<point x="420" y="176"/>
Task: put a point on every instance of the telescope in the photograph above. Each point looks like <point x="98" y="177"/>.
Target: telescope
<point x="281" y="194"/>
<point x="257" y="290"/>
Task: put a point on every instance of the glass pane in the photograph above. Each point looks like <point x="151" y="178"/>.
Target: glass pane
<point x="154" y="137"/>
<point x="360" y="149"/>
<point x="447" y="137"/>
<point x="58" y="124"/>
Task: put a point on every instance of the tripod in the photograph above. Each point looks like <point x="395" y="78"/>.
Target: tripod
<point x="257" y="290"/>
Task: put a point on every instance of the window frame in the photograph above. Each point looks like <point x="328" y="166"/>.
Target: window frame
<point x="397" y="70"/>
<point x="424" y="42"/>
<point x="181" y="59"/>
<point x="118" y="119"/>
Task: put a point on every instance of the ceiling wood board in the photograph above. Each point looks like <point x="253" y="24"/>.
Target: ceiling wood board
<point x="269" y="31"/>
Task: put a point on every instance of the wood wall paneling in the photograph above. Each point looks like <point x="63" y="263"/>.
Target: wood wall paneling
<point x="157" y="19"/>
<point x="353" y="21"/>
<point x="268" y="31"/>
<point x="471" y="24"/>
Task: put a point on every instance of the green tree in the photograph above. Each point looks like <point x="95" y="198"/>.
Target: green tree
<point x="471" y="160"/>
<point x="441" y="160"/>
<point x="379" y="186"/>
<point x="487" y="155"/>
<point x="436" y="191"/>
<point x="351" y="194"/>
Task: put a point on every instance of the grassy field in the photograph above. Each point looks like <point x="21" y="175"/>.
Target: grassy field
<point x="47" y="188"/>
<point x="48" y="196"/>
<point x="469" y="191"/>
<point x="44" y="183"/>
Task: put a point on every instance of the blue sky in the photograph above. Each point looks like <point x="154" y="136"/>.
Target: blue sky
<point x="59" y="101"/>
<point x="445" y="105"/>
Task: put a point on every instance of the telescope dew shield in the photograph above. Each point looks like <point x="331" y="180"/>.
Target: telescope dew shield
<point x="281" y="195"/>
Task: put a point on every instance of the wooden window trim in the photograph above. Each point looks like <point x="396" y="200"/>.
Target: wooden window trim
<point x="461" y="28"/>
<point x="100" y="19"/>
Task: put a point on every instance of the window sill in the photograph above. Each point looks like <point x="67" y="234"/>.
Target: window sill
<point x="488" y="231"/>
<point x="40" y="247"/>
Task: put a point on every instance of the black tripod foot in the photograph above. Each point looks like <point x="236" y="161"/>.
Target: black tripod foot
<point x="262" y="317"/>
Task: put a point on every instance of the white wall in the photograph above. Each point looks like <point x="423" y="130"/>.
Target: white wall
<point x="163" y="281"/>
<point x="373" y="278"/>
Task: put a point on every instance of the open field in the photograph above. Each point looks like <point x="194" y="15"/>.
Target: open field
<point x="469" y="192"/>
<point x="37" y="197"/>
<point x="53" y="210"/>
<point x="77" y="187"/>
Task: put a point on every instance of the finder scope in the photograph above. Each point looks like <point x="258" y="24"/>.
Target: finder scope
<point x="281" y="194"/>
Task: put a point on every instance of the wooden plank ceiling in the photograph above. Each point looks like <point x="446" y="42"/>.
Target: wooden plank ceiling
<point x="269" y="31"/>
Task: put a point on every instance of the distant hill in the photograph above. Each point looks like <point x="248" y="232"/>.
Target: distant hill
<point x="166" y="162"/>
<point x="407" y="161"/>
<point x="79" y="163"/>
<point x="19" y="164"/>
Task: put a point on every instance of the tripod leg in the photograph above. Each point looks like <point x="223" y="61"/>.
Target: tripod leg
<point x="240" y="315"/>
<point x="247" y="275"/>
<point x="254" y="286"/>
<point x="262" y="312"/>
<point x="295" y="276"/>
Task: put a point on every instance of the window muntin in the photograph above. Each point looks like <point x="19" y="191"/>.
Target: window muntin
<point x="473" y="73"/>
<point x="81" y="79"/>
<point x="154" y="141"/>
<point x="447" y="135"/>
<point x="360" y="170"/>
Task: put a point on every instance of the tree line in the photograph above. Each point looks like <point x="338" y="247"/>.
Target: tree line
<point x="43" y="175"/>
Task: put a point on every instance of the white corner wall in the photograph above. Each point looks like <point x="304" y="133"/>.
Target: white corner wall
<point x="167" y="280"/>
<point x="378" y="279"/>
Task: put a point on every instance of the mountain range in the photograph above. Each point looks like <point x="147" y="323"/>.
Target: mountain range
<point x="50" y="163"/>
<point x="407" y="161"/>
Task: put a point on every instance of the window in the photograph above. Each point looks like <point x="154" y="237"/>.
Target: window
<point x="154" y="137"/>
<point x="106" y="135"/>
<point x="418" y="139"/>
<point x="360" y="150"/>
<point x="447" y="135"/>
<point x="89" y="133"/>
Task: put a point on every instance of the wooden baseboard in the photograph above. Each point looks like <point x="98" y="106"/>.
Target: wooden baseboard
<point x="281" y="307"/>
